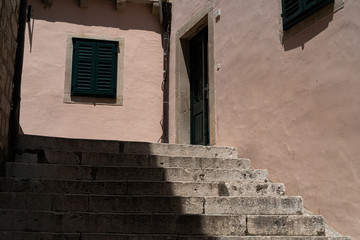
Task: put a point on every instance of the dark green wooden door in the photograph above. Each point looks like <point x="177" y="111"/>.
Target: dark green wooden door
<point x="199" y="88"/>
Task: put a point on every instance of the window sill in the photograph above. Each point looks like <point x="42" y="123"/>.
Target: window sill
<point x="93" y="100"/>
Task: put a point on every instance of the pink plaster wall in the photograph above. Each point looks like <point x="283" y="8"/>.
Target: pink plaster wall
<point x="42" y="109"/>
<point x="292" y="108"/>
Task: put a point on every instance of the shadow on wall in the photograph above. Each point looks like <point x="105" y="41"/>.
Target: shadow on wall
<point x="303" y="32"/>
<point x="99" y="13"/>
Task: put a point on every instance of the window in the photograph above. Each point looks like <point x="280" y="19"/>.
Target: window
<point x="293" y="11"/>
<point x="94" y="68"/>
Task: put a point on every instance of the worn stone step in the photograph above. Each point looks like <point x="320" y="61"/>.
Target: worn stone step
<point x="111" y="236"/>
<point x="74" y="222"/>
<point x="151" y="204"/>
<point x="32" y="142"/>
<point x="54" y="171"/>
<point x="283" y="225"/>
<point x="141" y="187"/>
<point x="129" y="160"/>
<point x="101" y="203"/>
<point x="213" y="225"/>
<point x="253" y="205"/>
<point x="23" y="235"/>
<point x="114" y="237"/>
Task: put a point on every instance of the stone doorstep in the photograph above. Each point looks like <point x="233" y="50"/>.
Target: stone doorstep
<point x="210" y="225"/>
<point x="86" y="145"/>
<point x="141" y="188"/>
<point x="152" y="204"/>
<point x="133" y="160"/>
<point x="53" y="171"/>
<point x="4" y="235"/>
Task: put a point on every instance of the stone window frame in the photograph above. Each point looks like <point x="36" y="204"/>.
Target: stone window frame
<point x="308" y="21"/>
<point x="68" y="98"/>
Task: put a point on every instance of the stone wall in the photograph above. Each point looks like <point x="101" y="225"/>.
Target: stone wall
<point x="9" y="12"/>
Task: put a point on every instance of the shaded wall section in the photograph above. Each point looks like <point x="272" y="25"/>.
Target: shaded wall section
<point x="43" y="111"/>
<point x="9" y="14"/>
<point x="292" y="108"/>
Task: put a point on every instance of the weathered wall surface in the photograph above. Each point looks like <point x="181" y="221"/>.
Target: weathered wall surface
<point x="292" y="108"/>
<point x="43" y="111"/>
<point x="9" y="13"/>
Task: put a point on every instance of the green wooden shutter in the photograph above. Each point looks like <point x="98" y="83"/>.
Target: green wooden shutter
<point x="315" y="4"/>
<point x="291" y="10"/>
<point x="83" y="70"/>
<point x="106" y="69"/>
<point x="94" y="71"/>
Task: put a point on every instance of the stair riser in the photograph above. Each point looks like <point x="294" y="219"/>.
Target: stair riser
<point x="129" y="160"/>
<point x="44" y="236"/>
<point x="113" y="223"/>
<point x="253" y="205"/>
<point x="92" y="236"/>
<point x="162" y="224"/>
<point x="286" y="225"/>
<point x="84" y="203"/>
<point x="179" y="205"/>
<point x="49" y="171"/>
<point x="236" y="238"/>
<point x="142" y="188"/>
<point x="82" y="145"/>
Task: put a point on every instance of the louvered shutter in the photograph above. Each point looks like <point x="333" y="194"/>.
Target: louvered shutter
<point x="84" y="65"/>
<point x="315" y="4"/>
<point x="94" y="69"/>
<point x="106" y="69"/>
<point x="291" y="10"/>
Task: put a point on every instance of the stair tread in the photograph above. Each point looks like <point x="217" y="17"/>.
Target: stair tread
<point x="54" y="171"/>
<point x="19" y="220"/>
<point x="123" y="159"/>
<point x="95" y="145"/>
<point x="53" y="165"/>
<point x="151" y="204"/>
<point x="127" y="187"/>
<point x="113" y="236"/>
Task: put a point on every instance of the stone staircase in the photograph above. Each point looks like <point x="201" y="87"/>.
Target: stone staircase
<point x="70" y="189"/>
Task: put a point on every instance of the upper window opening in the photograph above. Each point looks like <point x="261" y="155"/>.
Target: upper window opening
<point x="293" y="11"/>
<point x="94" y="68"/>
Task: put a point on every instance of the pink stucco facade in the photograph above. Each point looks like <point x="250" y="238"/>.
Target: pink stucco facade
<point x="291" y="107"/>
<point x="43" y="111"/>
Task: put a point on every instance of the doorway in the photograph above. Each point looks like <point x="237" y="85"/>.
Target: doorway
<point x="199" y="89"/>
<point x="194" y="80"/>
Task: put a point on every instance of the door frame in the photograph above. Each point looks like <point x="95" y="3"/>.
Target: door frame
<point x="204" y="17"/>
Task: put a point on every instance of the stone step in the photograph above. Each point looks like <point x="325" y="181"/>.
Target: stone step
<point x="205" y="225"/>
<point x="110" y="236"/>
<point x="141" y="188"/>
<point x="254" y="205"/>
<point x="102" y="203"/>
<point x="283" y="225"/>
<point x="152" y="204"/>
<point x="33" y="142"/>
<point x="54" y="171"/>
<point x="129" y="160"/>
